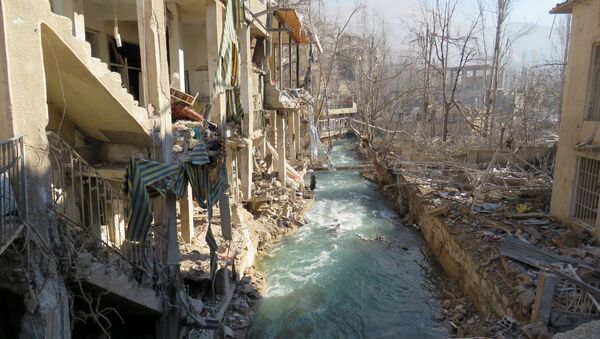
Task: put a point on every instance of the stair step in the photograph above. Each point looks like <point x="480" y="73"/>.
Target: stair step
<point x="61" y="24"/>
<point x="98" y="67"/>
<point x="116" y="77"/>
<point x="63" y="27"/>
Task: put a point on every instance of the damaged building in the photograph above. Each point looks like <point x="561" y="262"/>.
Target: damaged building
<point x="121" y="121"/>
<point x="575" y="195"/>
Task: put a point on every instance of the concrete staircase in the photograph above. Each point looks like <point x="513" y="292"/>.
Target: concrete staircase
<point x="62" y="26"/>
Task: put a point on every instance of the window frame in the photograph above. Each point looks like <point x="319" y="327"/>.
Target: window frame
<point x="593" y="84"/>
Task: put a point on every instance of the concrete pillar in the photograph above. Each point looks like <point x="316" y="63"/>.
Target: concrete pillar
<point x="177" y="73"/>
<point x="281" y="162"/>
<point x="155" y="75"/>
<point x="291" y="146"/>
<point x="214" y="31"/>
<point x="273" y="122"/>
<point x="186" y="209"/>
<point x="176" y="54"/>
<point x="155" y="78"/>
<point x="297" y="133"/>
<point x="246" y="87"/>
<point x="279" y="56"/>
<point x="25" y="112"/>
<point x="246" y="169"/>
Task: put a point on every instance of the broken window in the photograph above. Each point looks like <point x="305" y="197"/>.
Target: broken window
<point x="593" y="93"/>
<point x="258" y="55"/>
<point x="587" y="191"/>
<point x="92" y="37"/>
<point x="126" y="60"/>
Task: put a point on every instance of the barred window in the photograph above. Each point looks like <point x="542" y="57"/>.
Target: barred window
<point x="587" y="191"/>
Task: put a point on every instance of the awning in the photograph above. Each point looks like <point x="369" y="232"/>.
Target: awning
<point x="565" y="7"/>
<point x="289" y="17"/>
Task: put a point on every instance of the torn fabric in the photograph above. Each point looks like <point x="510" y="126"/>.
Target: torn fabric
<point x="142" y="173"/>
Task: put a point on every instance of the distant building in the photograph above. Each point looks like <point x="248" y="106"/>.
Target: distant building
<point x="473" y="84"/>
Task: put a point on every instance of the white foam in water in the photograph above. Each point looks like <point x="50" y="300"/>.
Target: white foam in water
<point x="324" y="282"/>
<point x="280" y="283"/>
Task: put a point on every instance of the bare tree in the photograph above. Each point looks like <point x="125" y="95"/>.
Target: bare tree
<point x="449" y="46"/>
<point x="502" y="44"/>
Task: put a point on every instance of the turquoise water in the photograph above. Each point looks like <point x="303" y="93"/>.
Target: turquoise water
<point x="329" y="280"/>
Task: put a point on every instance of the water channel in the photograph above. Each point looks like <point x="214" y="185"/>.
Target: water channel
<point x="329" y="280"/>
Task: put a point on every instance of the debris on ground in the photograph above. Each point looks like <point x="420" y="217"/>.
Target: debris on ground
<point x="275" y="211"/>
<point x="499" y="214"/>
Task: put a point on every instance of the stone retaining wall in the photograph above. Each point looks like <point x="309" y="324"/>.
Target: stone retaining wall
<point x="482" y="288"/>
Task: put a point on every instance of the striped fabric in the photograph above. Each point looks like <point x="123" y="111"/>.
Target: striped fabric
<point x="199" y="155"/>
<point x="227" y="66"/>
<point x="206" y="192"/>
<point x="142" y="173"/>
<point x="235" y="112"/>
<point x="179" y="183"/>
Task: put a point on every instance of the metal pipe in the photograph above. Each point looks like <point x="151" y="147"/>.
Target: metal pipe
<point x="297" y="65"/>
<point x="290" y="59"/>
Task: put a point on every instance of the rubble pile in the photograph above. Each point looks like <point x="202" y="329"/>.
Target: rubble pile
<point x="187" y="135"/>
<point x="499" y="218"/>
<point x="279" y="208"/>
<point x="273" y="213"/>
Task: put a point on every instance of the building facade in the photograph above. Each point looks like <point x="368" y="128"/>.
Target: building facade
<point x="94" y="91"/>
<point x="576" y="191"/>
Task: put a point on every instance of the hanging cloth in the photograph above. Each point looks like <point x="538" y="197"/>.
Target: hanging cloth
<point x="206" y="192"/>
<point x="199" y="155"/>
<point x="142" y="173"/>
<point x="227" y="69"/>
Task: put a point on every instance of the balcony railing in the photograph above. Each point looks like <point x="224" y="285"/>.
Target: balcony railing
<point x="84" y="198"/>
<point x="333" y="125"/>
<point x="13" y="192"/>
<point x="342" y="102"/>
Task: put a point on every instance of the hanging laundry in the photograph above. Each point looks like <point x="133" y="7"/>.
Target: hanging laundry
<point x="207" y="193"/>
<point x="207" y="189"/>
<point x="199" y="155"/>
<point x="235" y="111"/>
<point x="142" y="173"/>
<point x="227" y="73"/>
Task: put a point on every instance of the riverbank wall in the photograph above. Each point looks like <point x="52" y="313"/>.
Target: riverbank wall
<point x="447" y="242"/>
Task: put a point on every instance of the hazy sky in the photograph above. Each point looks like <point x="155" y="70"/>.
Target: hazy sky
<point x="531" y="11"/>
<point x="399" y="14"/>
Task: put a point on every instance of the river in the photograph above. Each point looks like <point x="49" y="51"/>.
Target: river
<point x="329" y="280"/>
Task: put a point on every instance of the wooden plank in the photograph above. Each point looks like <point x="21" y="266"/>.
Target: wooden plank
<point x="544" y="294"/>
<point x="528" y="215"/>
